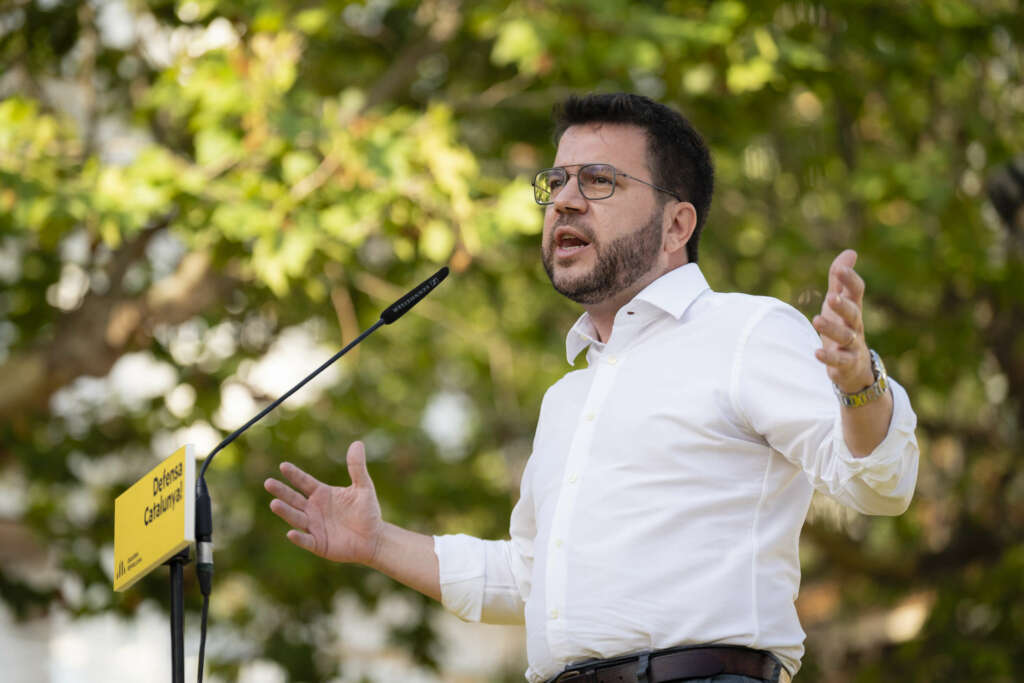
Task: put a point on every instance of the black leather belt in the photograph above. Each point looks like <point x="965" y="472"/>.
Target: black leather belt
<point x="678" y="664"/>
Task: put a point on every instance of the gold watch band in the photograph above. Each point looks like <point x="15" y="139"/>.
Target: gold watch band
<point x="870" y="392"/>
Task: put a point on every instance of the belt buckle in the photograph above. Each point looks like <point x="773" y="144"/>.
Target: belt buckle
<point x="578" y="675"/>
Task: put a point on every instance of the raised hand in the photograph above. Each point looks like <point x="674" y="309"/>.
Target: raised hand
<point x="841" y="326"/>
<point x="340" y="523"/>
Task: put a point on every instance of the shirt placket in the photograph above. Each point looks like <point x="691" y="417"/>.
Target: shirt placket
<point x="573" y="478"/>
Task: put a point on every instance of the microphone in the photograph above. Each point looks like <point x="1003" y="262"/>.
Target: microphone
<point x="204" y="515"/>
<point x="400" y="307"/>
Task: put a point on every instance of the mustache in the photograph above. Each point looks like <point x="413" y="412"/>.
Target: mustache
<point x="571" y="220"/>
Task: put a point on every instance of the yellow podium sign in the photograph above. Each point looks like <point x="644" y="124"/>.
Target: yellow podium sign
<point x="155" y="518"/>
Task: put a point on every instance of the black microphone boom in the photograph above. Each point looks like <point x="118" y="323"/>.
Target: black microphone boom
<point x="388" y="316"/>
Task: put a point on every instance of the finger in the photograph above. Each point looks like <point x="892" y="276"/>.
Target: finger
<point x="846" y="259"/>
<point x="356" y="461"/>
<point x="845" y="310"/>
<point x="294" y="517"/>
<point x="837" y="359"/>
<point x="853" y="284"/>
<point x="285" y="493"/>
<point x="303" y="540"/>
<point x="839" y="333"/>
<point x="304" y="482"/>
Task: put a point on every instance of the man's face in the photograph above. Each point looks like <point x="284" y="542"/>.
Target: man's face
<point x="599" y="250"/>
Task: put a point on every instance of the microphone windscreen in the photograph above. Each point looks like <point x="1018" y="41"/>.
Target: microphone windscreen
<point x="399" y="308"/>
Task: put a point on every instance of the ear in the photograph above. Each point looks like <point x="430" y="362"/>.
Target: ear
<point x="680" y="220"/>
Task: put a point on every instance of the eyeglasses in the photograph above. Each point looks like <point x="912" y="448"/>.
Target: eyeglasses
<point x="596" y="181"/>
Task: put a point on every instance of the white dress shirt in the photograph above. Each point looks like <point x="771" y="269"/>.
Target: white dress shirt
<point x="669" y="480"/>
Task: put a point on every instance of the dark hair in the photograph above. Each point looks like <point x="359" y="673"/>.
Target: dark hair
<point x="676" y="153"/>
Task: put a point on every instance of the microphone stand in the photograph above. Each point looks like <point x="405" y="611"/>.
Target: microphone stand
<point x="176" y="565"/>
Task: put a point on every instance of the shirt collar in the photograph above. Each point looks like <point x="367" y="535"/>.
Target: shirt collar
<point x="673" y="293"/>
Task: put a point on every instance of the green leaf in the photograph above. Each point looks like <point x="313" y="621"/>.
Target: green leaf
<point x="216" y="147"/>
<point x="518" y="43"/>
<point x="297" y="165"/>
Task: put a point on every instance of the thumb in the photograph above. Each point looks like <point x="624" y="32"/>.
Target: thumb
<point x="356" y="461"/>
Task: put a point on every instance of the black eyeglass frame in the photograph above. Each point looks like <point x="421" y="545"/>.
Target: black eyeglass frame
<point x="579" y="183"/>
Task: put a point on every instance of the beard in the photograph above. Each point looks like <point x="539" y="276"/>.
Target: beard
<point x="620" y="263"/>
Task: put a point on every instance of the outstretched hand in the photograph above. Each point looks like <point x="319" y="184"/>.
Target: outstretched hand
<point x="340" y="523"/>
<point x="841" y="326"/>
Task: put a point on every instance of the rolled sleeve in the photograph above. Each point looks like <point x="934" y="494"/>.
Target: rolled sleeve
<point x="883" y="481"/>
<point x="478" y="579"/>
<point x="786" y="397"/>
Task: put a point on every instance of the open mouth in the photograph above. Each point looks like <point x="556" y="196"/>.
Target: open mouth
<point x="569" y="242"/>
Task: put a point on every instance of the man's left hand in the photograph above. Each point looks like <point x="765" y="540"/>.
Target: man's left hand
<point x="843" y="347"/>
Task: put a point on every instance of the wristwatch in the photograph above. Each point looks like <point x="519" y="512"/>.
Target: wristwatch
<point x="870" y="392"/>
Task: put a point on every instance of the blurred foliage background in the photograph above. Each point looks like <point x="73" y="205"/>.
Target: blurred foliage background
<point x="201" y="200"/>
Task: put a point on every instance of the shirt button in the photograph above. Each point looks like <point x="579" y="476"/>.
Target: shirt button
<point x="612" y="360"/>
<point x="572" y="478"/>
<point x="589" y="417"/>
<point x="559" y="543"/>
<point x="554" y="614"/>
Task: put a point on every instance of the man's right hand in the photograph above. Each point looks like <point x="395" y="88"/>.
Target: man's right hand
<point x="343" y="523"/>
<point x="340" y="523"/>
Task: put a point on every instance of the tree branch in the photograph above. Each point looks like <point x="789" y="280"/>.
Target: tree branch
<point x="89" y="340"/>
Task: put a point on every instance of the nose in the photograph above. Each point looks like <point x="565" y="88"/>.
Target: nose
<point x="569" y="199"/>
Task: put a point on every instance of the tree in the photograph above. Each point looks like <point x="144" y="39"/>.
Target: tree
<point x="190" y="189"/>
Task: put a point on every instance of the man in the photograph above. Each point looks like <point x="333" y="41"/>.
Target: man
<point x="656" y="534"/>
